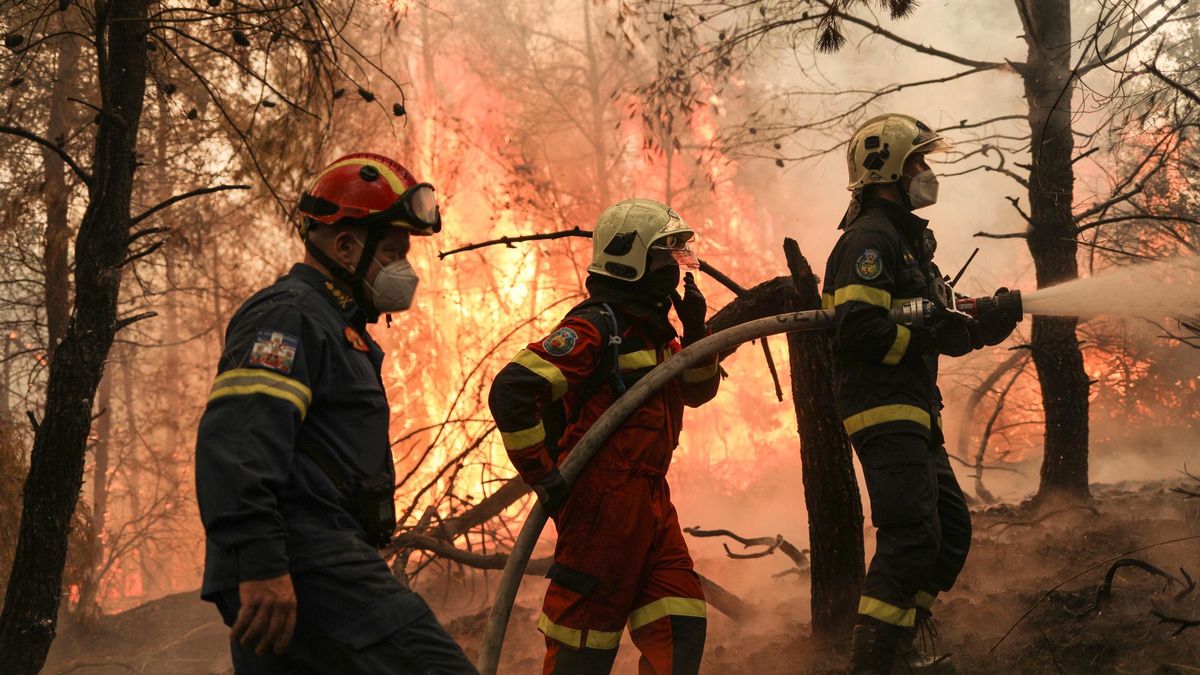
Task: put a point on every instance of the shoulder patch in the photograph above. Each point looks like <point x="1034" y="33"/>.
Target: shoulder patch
<point x="356" y="340"/>
<point x="274" y="350"/>
<point x="869" y="265"/>
<point x="560" y="342"/>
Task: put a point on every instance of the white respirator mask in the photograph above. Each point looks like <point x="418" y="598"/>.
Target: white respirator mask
<point x="394" y="287"/>
<point x="923" y="189"/>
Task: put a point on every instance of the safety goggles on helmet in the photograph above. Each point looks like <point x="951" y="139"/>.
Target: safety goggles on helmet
<point x="415" y="209"/>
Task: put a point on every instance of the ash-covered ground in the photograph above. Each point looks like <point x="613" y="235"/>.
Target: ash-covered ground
<point x="1018" y="556"/>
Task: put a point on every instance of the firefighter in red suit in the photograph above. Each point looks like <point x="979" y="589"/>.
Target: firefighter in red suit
<point x="620" y="558"/>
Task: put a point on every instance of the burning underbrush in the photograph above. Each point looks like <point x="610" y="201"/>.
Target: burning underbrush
<point x="1050" y="565"/>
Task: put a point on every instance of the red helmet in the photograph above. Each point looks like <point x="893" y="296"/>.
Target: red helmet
<point x="371" y="189"/>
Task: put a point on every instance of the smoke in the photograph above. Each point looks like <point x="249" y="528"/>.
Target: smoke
<point x="1152" y="291"/>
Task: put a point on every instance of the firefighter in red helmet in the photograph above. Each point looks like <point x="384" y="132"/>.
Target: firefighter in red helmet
<point x="620" y="559"/>
<point x="294" y="471"/>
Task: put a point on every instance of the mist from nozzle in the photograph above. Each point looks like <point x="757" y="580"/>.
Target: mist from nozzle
<point x="1167" y="288"/>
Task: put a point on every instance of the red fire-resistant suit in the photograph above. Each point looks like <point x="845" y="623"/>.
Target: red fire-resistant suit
<point x="620" y="555"/>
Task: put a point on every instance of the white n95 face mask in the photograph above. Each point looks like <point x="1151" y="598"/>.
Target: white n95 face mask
<point x="394" y="287"/>
<point x="923" y="189"/>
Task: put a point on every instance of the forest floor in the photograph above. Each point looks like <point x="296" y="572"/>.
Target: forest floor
<point x="1018" y="559"/>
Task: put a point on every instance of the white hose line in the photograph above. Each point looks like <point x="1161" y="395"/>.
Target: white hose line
<point x="597" y="435"/>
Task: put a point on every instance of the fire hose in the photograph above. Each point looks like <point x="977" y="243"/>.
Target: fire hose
<point x="914" y="313"/>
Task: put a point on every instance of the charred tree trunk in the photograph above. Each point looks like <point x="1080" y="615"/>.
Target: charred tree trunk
<point x="56" y="194"/>
<point x="27" y="623"/>
<point x="1047" y="76"/>
<point x="88" y="611"/>
<point x="835" y="516"/>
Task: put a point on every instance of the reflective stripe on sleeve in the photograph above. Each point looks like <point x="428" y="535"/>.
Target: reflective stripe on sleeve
<point x="647" y="358"/>
<point x="827" y="301"/>
<point x="249" y="381"/>
<point x="860" y="293"/>
<point x="702" y="374"/>
<point x="886" y="413"/>
<point x="887" y="613"/>
<point x="663" y="607"/>
<point x="899" y="346"/>
<point x="925" y="600"/>
<point x="602" y="639"/>
<point x="544" y="369"/>
<point x="525" y="438"/>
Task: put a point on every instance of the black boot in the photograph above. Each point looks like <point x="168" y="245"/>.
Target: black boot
<point x="920" y="654"/>
<point x="873" y="647"/>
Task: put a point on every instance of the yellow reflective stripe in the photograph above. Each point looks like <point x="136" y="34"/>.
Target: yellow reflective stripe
<point x="669" y="606"/>
<point x="599" y="639"/>
<point x="899" y="302"/>
<point x="827" y="301"/>
<point x="887" y="613"/>
<point x="570" y="637"/>
<point x="544" y="369"/>
<point x="525" y="438"/>
<point x="899" y="346"/>
<point x="886" y="413"/>
<point x="394" y="182"/>
<point x="647" y="358"/>
<point x="694" y="375"/>
<point x="860" y="293"/>
<point x="925" y="600"/>
<point x="248" y="381"/>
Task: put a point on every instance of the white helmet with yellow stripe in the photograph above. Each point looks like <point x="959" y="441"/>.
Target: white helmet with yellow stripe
<point x="878" y="150"/>
<point x="626" y="232"/>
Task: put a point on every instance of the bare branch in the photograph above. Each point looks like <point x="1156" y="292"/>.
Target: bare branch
<point x="180" y="197"/>
<point x="30" y="136"/>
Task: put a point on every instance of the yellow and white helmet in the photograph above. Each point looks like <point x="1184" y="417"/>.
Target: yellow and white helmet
<point x="627" y="230"/>
<point x="879" y="148"/>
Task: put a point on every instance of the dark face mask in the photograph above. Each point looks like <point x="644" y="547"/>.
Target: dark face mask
<point x="662" y="282"/>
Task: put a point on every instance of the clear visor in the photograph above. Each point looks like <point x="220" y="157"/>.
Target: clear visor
<point x="677" y="241"/>
<point x="423" y="204"/>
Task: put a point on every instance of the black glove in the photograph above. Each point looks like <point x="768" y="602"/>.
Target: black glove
<point x="552" y="491"/>
<point x="691" y="309"/>
<point x="951" y="335"/>
<point x="994" y="325"/>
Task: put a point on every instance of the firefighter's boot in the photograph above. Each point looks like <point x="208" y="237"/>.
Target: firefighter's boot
<point x="921" y="654"/>
<point x="873" y="647"/>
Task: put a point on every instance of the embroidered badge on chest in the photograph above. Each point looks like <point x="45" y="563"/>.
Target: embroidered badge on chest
<point x="274" y="350"/>
<point x="869" y="265"/>
<point x="356" y="340"/>
<point x="560" y="342"/>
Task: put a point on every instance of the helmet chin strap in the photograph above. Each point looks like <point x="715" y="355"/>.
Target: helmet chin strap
<point x="356" y="280"/>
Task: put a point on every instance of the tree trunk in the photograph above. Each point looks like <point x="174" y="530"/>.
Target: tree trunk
<point x="835" y="516"/>
<point x="88" y="611"/>
<point x="1047" y="77"/>
<point x="56" y="196"/>
<point x="28" y="620"/>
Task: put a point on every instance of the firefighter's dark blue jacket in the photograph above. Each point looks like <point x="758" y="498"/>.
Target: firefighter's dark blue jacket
<point x="885" y="382"/>
<point x="297" y="360"/>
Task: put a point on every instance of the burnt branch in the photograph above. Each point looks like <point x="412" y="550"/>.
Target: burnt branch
<point x="772" y="544"/>
<point x="66" y="158"/>
<point x="1183" y="624"/>
<point x="1005" y="524"/>
<point x="1105" y="590"/>
<point x="180" y="197"/>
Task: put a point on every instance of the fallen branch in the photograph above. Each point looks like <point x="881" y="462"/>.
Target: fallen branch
<point x="1183" y="624"/>
<point x="1075" y="576"/>
<point x="1105" y="590"/>
<point x="776" y="543"/>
